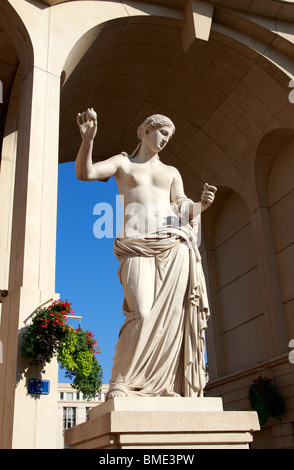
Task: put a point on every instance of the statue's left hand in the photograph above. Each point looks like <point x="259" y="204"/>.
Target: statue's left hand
<point x="208" y="195"/>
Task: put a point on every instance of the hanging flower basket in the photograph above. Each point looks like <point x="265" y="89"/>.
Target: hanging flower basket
<point x="265" y="400"/>
<point x="49" y="335"/>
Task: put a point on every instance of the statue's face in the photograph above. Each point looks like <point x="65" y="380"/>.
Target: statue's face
<point x="158" y="138"/>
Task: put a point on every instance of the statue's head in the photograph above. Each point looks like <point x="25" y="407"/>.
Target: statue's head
<point x="154" y="122"/>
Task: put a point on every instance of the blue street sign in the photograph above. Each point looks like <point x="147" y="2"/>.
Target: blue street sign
<point x="37" y="386"/>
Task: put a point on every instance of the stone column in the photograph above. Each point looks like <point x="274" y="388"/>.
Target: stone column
<point x="7" y="176"/>
<point x="24" y="419"/>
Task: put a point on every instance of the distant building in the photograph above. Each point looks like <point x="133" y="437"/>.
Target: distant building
<point x="73" y="409"/>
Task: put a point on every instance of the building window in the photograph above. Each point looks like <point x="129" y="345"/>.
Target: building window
<point x="61" y="395"/>
<point x="69" y="396"/>
<point x="69" y="417"/>
<point x="87" y="413"/>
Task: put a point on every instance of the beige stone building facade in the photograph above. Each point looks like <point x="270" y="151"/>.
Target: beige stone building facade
<point x="73" y="409"/>
<point x="222" y="71"/>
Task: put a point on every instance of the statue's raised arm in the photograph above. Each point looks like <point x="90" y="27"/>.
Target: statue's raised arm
<point x="85" y="169"/>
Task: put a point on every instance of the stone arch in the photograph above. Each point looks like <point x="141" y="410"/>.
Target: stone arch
<point x="268" y="149"/>
<point x="16" y="54"/>
<point x="12" y="24"/>
<point x="95" y="18"/>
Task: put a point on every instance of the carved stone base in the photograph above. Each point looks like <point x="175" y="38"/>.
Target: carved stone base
<point x="163" y="423"/>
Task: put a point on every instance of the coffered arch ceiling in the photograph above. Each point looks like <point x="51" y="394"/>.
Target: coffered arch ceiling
<point x="222" y="96"/>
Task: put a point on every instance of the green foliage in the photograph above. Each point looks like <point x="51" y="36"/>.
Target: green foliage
<point x="89" y="385"/>
<point x="84" y="369"/>
<point x="67" y="349"/>
<point x="49" y="335"/>
<point x="265" y="400"/>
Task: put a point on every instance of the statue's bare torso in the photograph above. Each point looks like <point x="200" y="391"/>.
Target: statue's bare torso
<point x="148" y="190"/>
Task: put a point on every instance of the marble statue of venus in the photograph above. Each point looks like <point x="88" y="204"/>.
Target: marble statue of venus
<point x="160" y="349"/>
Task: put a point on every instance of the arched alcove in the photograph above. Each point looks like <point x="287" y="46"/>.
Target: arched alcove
<point x="217" y="94"/>
<point x="280" y="195"/>
<point x="237" y="289"/>
<point x="267" y="151"/>
<point x="274" y="182"/>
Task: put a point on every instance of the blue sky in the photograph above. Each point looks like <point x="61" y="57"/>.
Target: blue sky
<point x="86" y="268"/>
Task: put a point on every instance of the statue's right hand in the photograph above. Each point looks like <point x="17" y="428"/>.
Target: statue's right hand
<point x="87" y="122"/>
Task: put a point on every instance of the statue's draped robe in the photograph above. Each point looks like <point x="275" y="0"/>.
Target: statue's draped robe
<point x="161" y="353"/>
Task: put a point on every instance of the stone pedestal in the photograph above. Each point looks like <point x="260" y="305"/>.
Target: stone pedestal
<point x="163" y="423"/>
